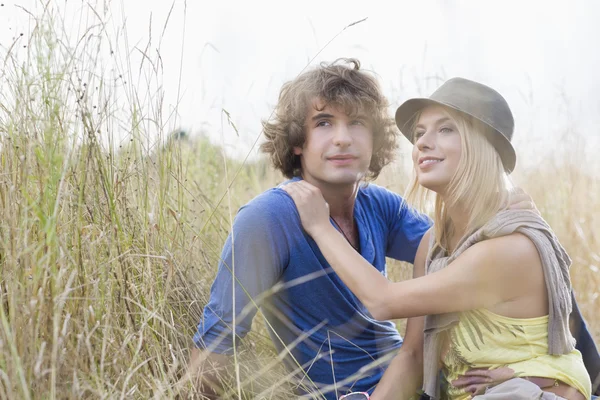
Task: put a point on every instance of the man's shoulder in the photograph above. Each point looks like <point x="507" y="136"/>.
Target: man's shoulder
<point x="379" y="196"/>
<point x="379" y="192"/>
<point x="392" y="204"/>
<point x="272" y="205"/>
<point x="272" y="198"/>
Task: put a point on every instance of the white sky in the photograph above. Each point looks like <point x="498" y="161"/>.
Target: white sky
<point x="543" y="56"/>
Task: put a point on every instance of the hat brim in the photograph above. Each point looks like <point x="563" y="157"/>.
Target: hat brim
<point x="407" y="112"/>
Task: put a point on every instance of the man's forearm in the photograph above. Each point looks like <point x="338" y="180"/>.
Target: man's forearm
<point x="403" y="377"/>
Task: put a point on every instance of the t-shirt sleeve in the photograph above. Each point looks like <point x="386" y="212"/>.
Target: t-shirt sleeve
<point x="255" y="252"/>
<point x="406" y="228"/>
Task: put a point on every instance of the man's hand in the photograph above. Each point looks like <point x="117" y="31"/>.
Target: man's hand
<point x="477" y="380"/>
<point x="204" y="374"/>
<point x="519" y="200"/>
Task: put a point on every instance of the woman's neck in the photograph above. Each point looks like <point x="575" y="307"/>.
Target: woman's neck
<point x="458" y="218"/>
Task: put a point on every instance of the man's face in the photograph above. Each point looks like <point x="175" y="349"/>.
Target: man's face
<point x="338" y="147"/>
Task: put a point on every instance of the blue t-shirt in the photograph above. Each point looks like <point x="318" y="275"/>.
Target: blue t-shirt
<point x="312" y="312"/>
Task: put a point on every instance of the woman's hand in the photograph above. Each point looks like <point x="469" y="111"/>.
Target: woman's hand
<point x="478" y="380"/>
<point x="313" y="210"/>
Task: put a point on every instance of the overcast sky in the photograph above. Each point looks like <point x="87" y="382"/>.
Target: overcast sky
<point x="543" y="56"/>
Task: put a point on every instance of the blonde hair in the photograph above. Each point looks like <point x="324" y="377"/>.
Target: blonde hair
<point x="479" y="183"/>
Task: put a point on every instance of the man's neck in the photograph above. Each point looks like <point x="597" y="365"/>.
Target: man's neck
<point x="341" y="199"/>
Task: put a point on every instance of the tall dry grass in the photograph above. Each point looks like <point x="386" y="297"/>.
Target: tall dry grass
<point x="111" y="229"/>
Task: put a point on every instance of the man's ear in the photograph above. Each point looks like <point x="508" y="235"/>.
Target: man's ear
<point x="297" y="150"/>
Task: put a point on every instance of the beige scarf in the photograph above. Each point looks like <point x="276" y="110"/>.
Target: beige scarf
<point x="555" y="261"/>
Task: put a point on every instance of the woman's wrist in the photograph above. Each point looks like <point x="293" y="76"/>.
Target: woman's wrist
<point x="323" y="232"/>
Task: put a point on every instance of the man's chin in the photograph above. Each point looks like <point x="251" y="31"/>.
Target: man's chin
<point x="348" y="178"/>
<point x="335" y="181"/>
<point x="336" y="177"/>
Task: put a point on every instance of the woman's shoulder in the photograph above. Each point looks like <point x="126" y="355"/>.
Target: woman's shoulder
<point x="515" y="245"/>
<point x="515" y="254"/>
<point x="512" y="234"/>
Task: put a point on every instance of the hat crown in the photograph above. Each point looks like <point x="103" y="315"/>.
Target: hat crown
<point x="479" y="101"/>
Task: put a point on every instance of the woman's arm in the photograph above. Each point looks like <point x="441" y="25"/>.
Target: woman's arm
<point x="486" y="274"/>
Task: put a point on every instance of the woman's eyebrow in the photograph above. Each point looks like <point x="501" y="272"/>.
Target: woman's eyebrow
<point x="439" y="121"/>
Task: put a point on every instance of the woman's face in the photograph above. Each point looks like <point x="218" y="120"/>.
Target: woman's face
<point x="437" y="149"/>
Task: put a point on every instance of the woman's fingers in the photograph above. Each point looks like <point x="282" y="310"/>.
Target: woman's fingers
<point x="311" y="206"/>
<point x="466" y="381"/>
<point x="303" y="192"/>
<point x="478" y="372"/>
<point x="477" y="380"/>
<point x="298" y="193"/>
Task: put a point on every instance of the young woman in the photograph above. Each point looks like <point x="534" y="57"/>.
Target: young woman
<point x="493" y="285"/>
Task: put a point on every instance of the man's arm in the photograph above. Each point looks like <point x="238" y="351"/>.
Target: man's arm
<point x="252" y="261"/>
<point x="404" y="375"/>
<point x="406" y="227"/>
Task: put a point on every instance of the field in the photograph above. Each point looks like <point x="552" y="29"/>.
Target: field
<point x="111" y="227"/>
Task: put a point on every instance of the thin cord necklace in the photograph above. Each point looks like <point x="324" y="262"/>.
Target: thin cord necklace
<point x="339" y="228"/>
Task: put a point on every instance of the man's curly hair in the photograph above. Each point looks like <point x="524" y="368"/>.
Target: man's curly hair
<point x="340" y="85"/>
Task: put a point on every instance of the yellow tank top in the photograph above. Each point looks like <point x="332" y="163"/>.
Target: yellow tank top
<point x="483" y="339"/>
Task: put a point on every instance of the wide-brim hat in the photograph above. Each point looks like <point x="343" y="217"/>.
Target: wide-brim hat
<point x="474" y="99"/>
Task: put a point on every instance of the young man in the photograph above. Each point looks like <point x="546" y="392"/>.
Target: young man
<point x="331" y="128"/>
